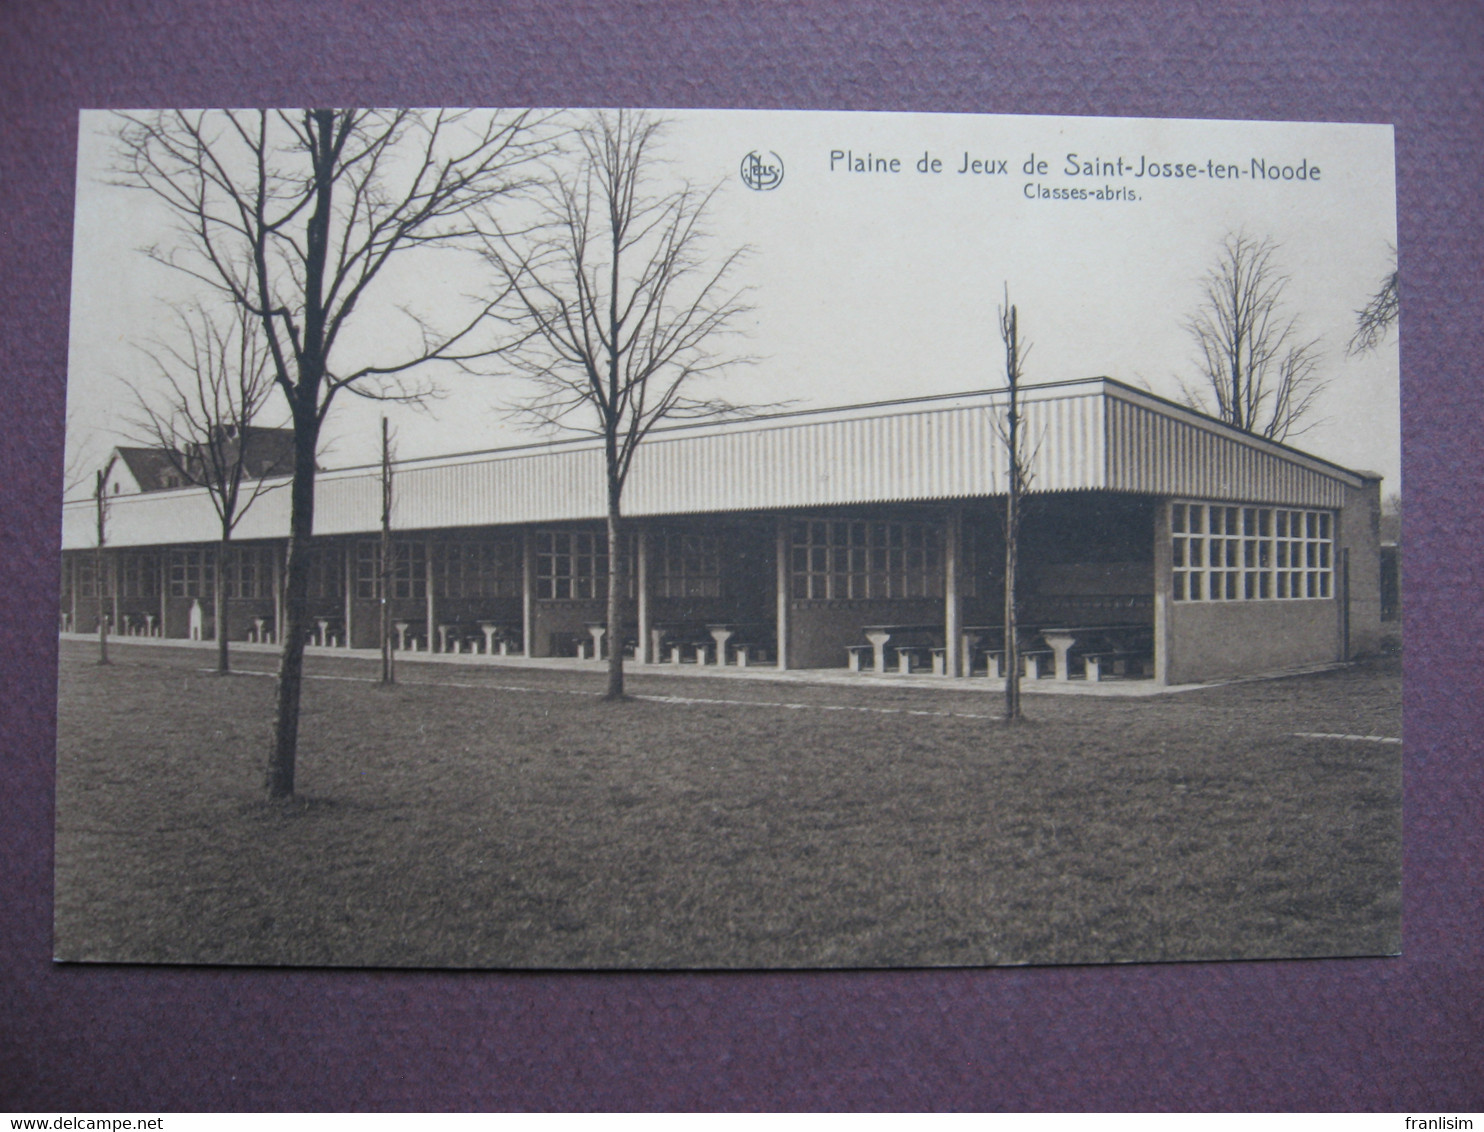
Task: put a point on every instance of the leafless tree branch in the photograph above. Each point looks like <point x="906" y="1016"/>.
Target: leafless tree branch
<point x="1373" y="322"/>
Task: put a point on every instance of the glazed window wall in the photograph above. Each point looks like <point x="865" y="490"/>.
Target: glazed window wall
<point x="409" y="572"/>
<point x="686" y="564"/>
<point x="1238" y="553"/>
<point x="467" y="569"/>
<point x="836" y="559"/>
<point x="249" y="572"/>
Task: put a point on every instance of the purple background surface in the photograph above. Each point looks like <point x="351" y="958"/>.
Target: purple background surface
<point x="1340" y="1034"/>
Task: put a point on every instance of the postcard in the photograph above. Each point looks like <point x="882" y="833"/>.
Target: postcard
<point x="639" y="539"/>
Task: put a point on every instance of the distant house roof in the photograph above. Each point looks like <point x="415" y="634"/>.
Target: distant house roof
<point x="268" y="452"/>
<point x="150" y="467"/>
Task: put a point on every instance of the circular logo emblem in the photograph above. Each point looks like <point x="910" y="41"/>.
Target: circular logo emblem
<point x="762" y="171"/>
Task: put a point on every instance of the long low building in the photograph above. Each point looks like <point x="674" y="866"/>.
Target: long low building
<point x="801" y="537"/>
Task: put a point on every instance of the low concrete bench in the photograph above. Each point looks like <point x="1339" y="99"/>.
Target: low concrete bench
<point x="1119" y="662"/>
<point x="747" y="653"/>
<point x="408" y="639"/>
<point x="1038" y="662"/>
<point x="327" y="632"/>
<point x="909" y="657"/>
<point x="501" y="638"/>
<point x="1034" y="663"/>
<point x="459" y="637"/>
<point x="858" y="653"/>
<point x="698" y="650"/>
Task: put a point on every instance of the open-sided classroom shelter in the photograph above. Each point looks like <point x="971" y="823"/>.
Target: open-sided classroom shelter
<point x="1156" y="542"/>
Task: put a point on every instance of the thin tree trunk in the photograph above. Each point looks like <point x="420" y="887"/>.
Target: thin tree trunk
<point x="1011" y="331"/>
<point x="615" y="595"/>
<point x="295" y="613"/>
<point x="388" y="661"/>
<point x="102" y="504"/>
<point x="219" y="605"/>
<point x="102" y="609"/>
<point x="1012" y="643"/>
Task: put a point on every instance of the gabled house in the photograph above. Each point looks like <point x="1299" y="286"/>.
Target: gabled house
<point x="266" y="452"/>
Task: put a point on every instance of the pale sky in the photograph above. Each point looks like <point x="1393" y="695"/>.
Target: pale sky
<point x="875" y="285"/>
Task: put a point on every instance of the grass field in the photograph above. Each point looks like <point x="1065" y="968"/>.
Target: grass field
<point x="507" y="817"/>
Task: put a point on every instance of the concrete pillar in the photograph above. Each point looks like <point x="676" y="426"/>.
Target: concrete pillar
<point x="781" y="551"/>
<point x="1163" y="588"/>
<point x="277" y="556"/>
<point x="1357" y="543"/>
<point x="528" y="590"/>
<point x="953" y="541"/>
<point x="113" y="581"/>
<point x="349" y="555"/>
<point x="428" y="591"/>
<point x="642" y="571"/>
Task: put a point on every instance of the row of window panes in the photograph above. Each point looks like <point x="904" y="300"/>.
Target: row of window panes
<point x="686" y="564"/>
<point x="571" y="565"/>
<point x="477" y="569"/>
<point x="191" y="573"/>
<point x="1218" y="519"/>
<point x="409" y="572"/>
<point x="854" y="560"/>
<point x="1225" y="553"/>
<point x="137" y="576"/>
<point x="248" y="573"/>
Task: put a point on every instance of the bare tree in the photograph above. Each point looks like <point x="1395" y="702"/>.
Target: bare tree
<point x="1257" y="372"/>
<point x="213" y="384"/>
<point x="1012" y="434"/>
<point x="100" y="502"/>
<point x="1373" y="322"/>
<point x="384" y="574"/>
<point x="295" y="217"/>
<point x="620" y="306"/>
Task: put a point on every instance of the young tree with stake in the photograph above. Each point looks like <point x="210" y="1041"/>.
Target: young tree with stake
<point x="619" y="307"/>
<point x="298" y="217"/>
<point x="100" y="503"/>
<point x="1012" y="433"/>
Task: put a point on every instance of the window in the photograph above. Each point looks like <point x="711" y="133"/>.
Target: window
<point x="571" y="565"/>
<point x="685" y="564"/>
<point x="326" y="572"/>
<point x="138" y="575"/>
<point x="191" y="573"/>
<point x="87" y="575"/>
<point x="478" y="569"/>
<point x="1230" y="553"/>
<point x="854" y="559"/>
<point x="409" y="572"/>
<point x="249" y="572"/>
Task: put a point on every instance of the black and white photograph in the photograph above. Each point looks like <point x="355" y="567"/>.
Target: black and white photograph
<point x="680" y="539"/>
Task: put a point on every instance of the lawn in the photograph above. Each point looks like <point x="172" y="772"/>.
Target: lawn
<point x="501" y="817"/>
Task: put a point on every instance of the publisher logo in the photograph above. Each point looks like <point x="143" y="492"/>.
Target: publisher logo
<point x="762" y="172"/>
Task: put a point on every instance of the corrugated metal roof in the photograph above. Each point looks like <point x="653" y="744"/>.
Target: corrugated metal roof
<point x="1084" y="435"/>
